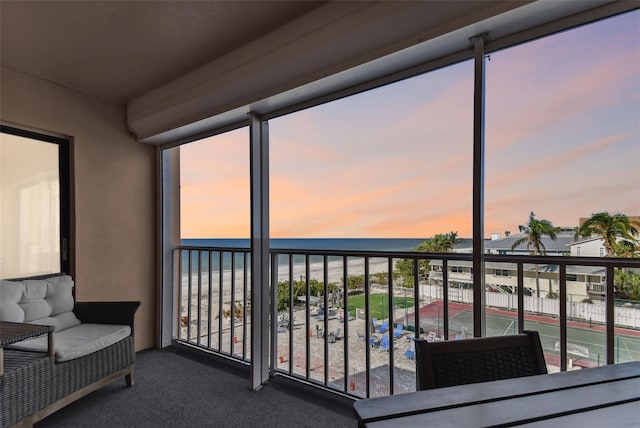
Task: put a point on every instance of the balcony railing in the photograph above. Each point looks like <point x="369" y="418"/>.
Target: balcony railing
<point x="330" y="309"/>
<point x="596" y="288"/>
<point x="214" y="299"/>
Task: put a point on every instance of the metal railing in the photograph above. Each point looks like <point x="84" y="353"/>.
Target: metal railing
<point x="214" y="299"/>
<point x="324" y="304"/>
<point x="596" y="288"/>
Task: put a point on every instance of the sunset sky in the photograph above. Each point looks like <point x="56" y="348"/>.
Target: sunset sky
<point x="562" y="140"/>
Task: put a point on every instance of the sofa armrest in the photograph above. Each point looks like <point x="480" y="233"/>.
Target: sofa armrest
<point x="107" y="312"/>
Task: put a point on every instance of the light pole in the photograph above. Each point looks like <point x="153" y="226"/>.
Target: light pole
<point x="406" y="315"/>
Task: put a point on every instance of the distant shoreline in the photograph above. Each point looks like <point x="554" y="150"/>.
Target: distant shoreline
<point x="335" y="271"/>
<point x="355" y="244"/>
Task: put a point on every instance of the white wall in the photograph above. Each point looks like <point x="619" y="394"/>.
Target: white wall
<point x="590" y="248"/>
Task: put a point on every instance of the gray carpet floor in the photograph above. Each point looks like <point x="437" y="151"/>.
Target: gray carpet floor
<point x="177" y="389"/>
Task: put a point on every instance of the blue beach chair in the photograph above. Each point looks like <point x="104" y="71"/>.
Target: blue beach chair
<point x="399" y="330"/>
<point x="411" y="352"/>
<point x="384" y="327"/>
<point x="384" y="343"/>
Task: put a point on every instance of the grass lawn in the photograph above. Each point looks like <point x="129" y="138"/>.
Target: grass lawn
<point x="378" y="304"/>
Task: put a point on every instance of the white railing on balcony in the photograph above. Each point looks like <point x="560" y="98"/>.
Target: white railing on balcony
<point x="596" y="288"/>
<point x="325" y="302"/>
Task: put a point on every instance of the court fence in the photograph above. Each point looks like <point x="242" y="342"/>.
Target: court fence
<point x="626" y="315"/>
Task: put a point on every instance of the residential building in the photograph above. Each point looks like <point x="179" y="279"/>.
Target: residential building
<point x="588" y="247"/>
<point x="553" y="247"/>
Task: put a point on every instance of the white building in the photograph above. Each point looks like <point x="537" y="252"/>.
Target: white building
<point x="554" y="247"/>
<point x="582" y="281"/>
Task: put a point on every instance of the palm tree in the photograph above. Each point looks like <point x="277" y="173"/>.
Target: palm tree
<point x="440" y="243"/>
<point x="628" y="249"/>
<point x="534" y="231"/>
<point x="613" y="229"/>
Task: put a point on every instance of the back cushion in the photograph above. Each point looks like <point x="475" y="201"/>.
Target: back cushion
<point x="59" y="294"/>
<point x="11" y="293"/>
<point x="47" y="301"/>
<point x="33" y="302"/>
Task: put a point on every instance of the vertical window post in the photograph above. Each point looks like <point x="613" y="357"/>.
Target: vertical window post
<point x="169" y="236"/>
<point x="478" y="187"/>
<point x="259" y="171"/>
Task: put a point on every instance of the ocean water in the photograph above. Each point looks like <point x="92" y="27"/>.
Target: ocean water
<point x="337" y="244"/>
<point x="201" y="261"/>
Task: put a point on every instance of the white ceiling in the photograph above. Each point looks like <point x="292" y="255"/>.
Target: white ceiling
<point x="119" y="50"/>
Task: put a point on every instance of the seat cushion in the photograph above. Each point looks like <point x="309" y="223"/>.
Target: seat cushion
<point x="77" y="341"/>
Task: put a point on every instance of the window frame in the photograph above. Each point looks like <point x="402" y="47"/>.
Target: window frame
<point x="504" y="273"/>
<point x="64" y="175"/>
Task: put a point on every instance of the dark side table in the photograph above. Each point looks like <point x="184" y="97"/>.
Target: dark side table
<point x="11" y="332"/>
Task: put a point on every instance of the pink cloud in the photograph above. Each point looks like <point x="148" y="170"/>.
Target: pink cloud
<point x="521" y="109"/>
<point x="411" y="226"/>
<point x="558" y="161"/>
<point x="309" y="212"/>
<point x="298" y="151"/>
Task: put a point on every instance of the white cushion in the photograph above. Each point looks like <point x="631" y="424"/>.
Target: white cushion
<point x="11" y="293"/>
<point x="60" y="294"/>
<point x="46" y="301"/>
<point x="78" y="341"/>
<point x="33" y="302"/>
<point x="59" y="322"/>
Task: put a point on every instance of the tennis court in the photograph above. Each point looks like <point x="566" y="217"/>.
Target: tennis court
<point x="585" y="344"/>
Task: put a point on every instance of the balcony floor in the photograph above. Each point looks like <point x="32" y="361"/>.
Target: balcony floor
<point x="181" y="387"/>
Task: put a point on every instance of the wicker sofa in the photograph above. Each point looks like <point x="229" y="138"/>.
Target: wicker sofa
<point x="93" y="343"/>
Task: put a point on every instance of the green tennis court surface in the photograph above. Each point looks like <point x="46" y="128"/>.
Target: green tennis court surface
<point x="585" y="345"/>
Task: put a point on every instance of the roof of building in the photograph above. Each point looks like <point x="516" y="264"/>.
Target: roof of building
<point x="584" y="240"/>
<point x="560" y="244"/>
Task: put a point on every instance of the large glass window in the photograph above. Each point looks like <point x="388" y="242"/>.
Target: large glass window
<point x="563" y="144"/>
<point x="394" y="162"/>
<point x="391" y="169"/>
<point x="562" y="137"/>
<point x="34" y="198"/>
<point x="214" y="187"/>
<point x="382" y="170"/>
<point x="214" y="292"/>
